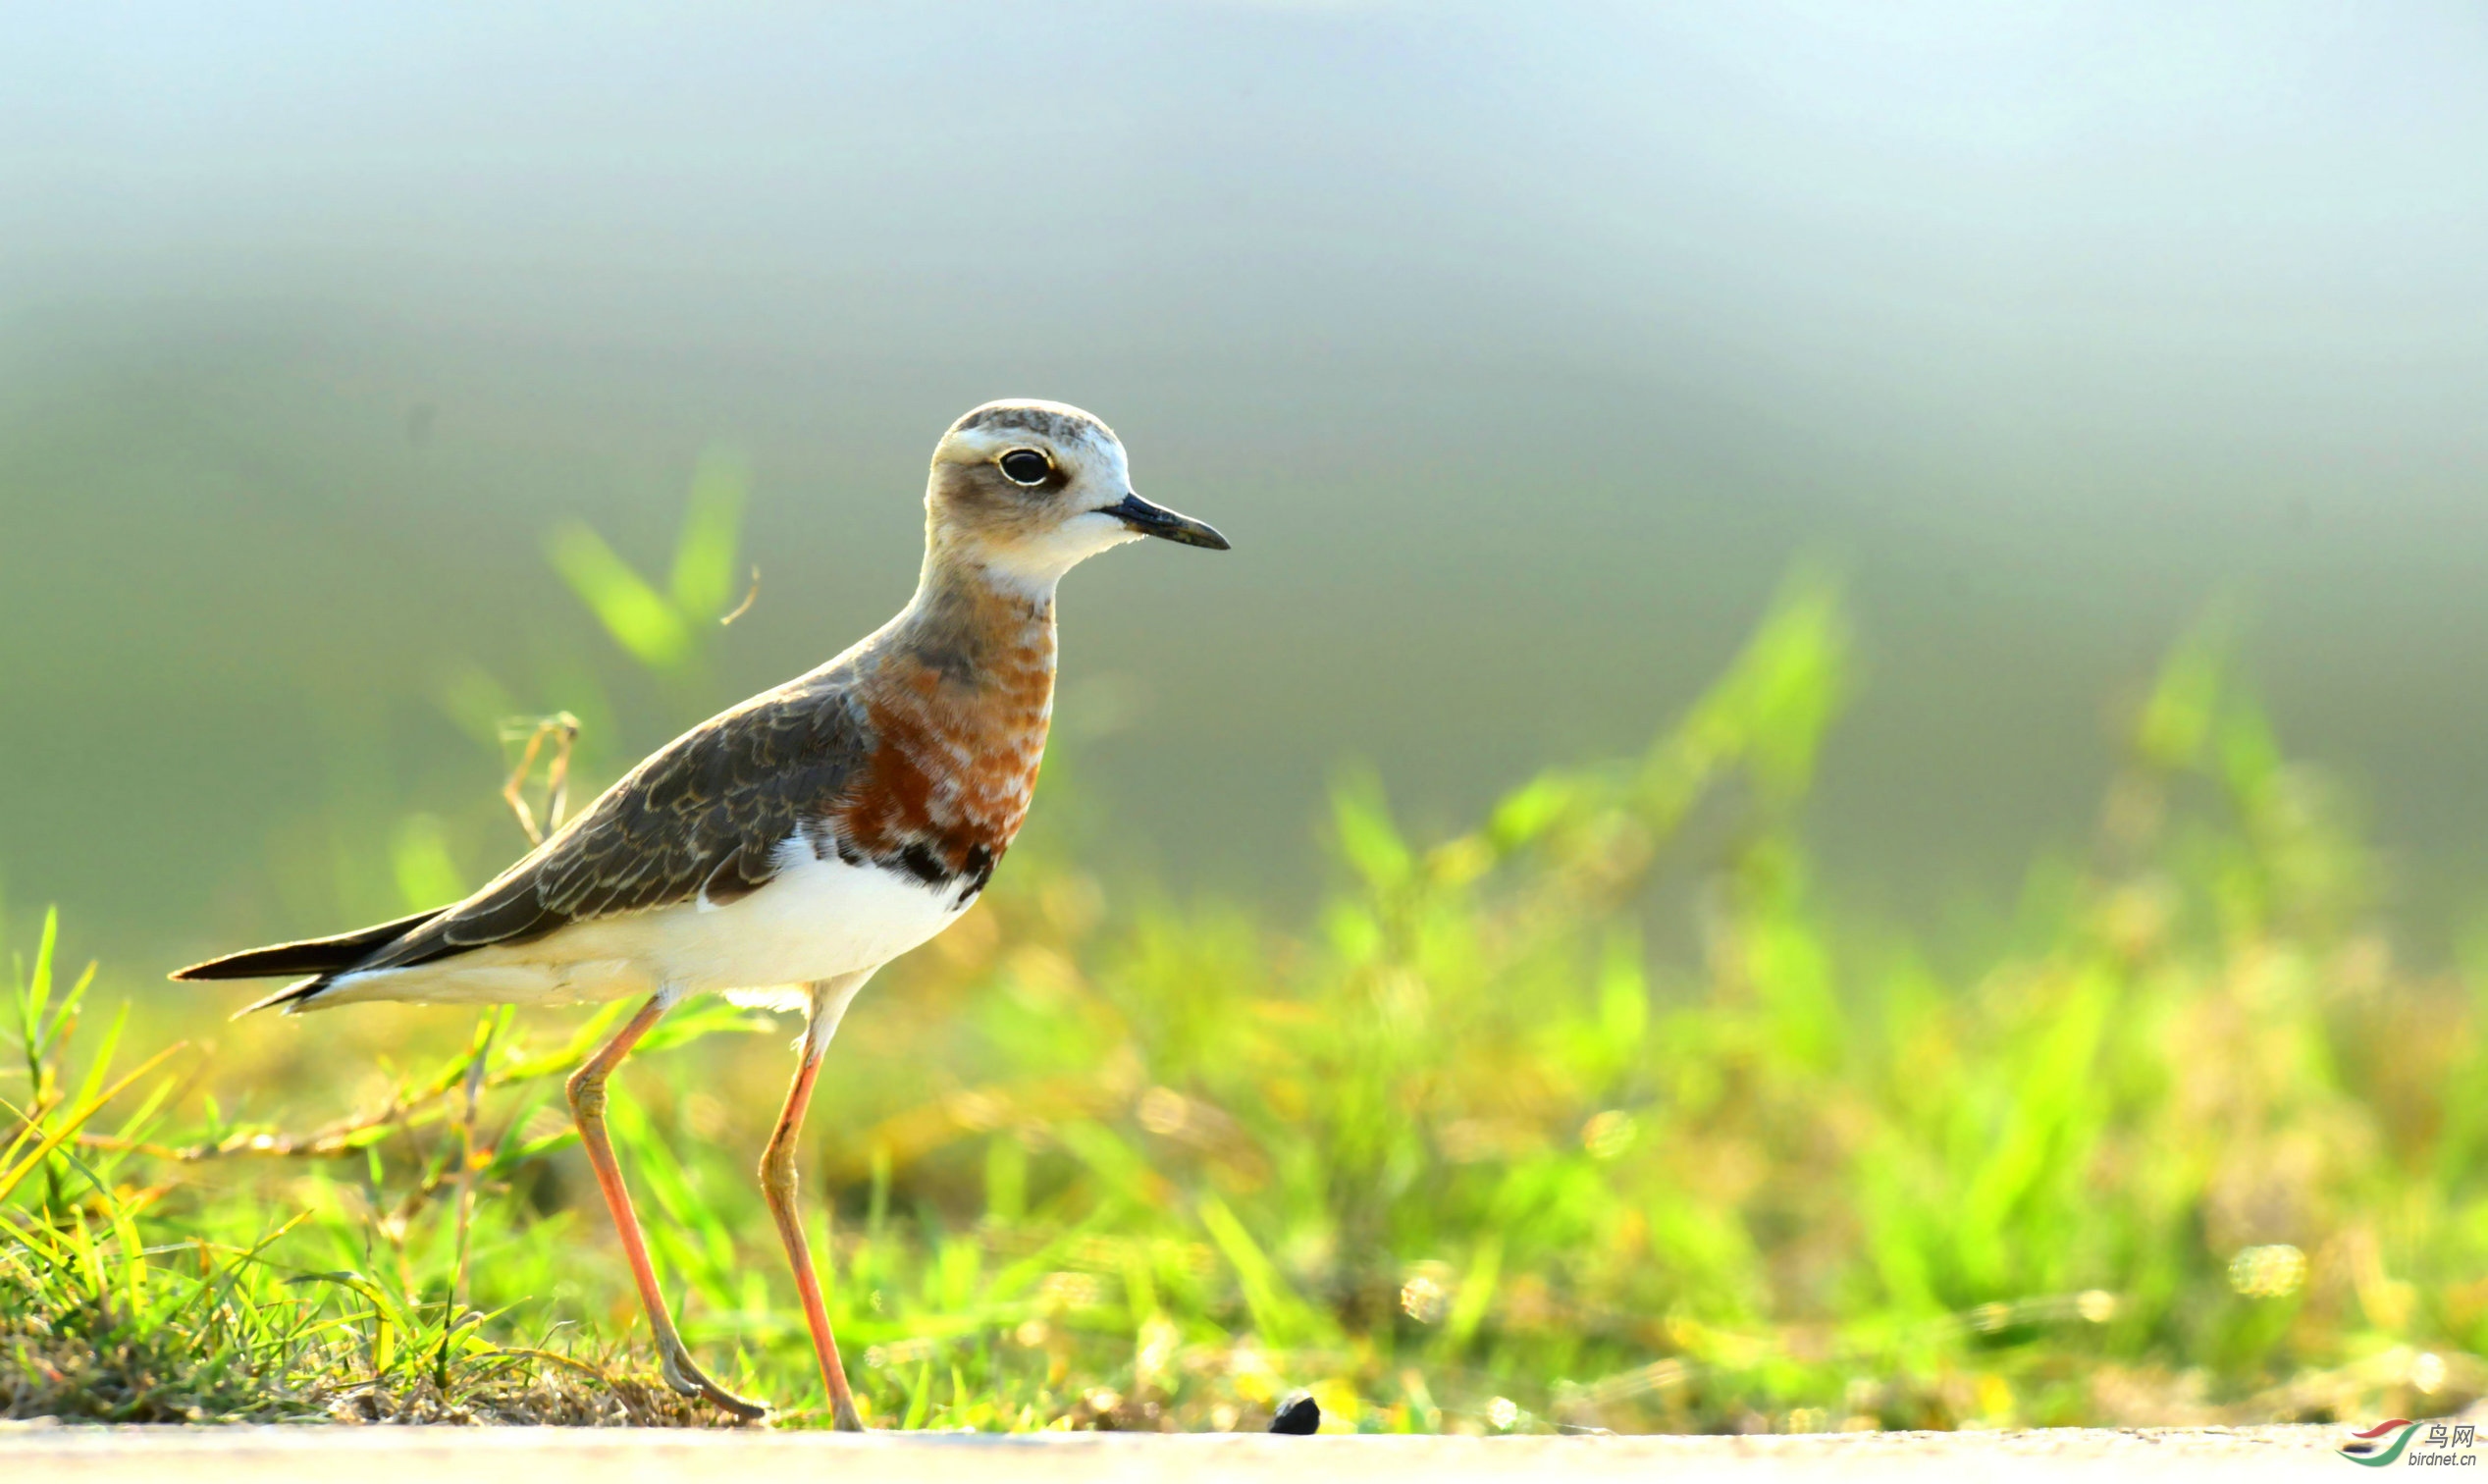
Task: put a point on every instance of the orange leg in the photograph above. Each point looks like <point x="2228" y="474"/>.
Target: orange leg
<point x="587" y="1105"/>
<point x="777" y="1182"/>
<point x="829" y="1001"/>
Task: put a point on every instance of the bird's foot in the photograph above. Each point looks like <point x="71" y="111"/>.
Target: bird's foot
<point x="846" y="1419"/>
<point x="685" y="1376"/>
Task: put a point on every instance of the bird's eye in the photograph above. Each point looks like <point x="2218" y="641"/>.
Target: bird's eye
<point x="1025" y="466"/>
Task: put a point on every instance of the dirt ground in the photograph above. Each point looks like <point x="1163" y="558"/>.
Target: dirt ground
<point x="56" y="1454"/>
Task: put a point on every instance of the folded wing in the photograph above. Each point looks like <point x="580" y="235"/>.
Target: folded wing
<point x="704" y="819"/>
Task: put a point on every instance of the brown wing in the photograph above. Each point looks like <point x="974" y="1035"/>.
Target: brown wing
<point x="705" y="817"/>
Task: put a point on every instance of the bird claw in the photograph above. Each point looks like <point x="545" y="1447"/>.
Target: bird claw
<point x="687" y="1379"/>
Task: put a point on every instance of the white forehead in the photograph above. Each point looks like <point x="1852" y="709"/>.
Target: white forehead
<point x="1073" y="437"/>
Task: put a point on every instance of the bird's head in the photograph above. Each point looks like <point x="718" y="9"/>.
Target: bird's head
<point x="1028" y="490"/>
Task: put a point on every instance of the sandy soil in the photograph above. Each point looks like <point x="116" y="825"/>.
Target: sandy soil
<point x="54" y="1455"/>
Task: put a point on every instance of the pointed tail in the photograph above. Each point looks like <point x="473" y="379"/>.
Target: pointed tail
<point x="317" y="957"/>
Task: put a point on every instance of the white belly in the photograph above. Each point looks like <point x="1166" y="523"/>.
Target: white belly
<point x="816" y="918"/>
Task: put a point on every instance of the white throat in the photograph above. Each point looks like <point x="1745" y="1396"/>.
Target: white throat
<point x="1033" y="567"/>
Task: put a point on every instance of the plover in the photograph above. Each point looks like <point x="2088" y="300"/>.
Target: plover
<point x="792" y="846"/>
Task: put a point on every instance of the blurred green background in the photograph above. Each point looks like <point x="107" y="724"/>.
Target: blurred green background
<point x="2109" y="376"/>
<point x="1518" y="350"/>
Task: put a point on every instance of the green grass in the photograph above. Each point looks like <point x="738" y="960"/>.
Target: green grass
<point x="1590" y="1116"/>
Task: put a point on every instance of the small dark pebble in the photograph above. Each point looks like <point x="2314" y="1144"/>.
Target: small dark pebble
<point x="1298" y="1416"/>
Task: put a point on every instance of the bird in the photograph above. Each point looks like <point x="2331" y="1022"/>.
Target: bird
<point x="787" y="848"/>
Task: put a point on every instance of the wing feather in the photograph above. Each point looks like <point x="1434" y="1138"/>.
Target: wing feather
<point x="703" y="818"/>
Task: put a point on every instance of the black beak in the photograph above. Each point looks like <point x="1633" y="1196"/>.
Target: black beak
<point x="1157" y="520"/>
